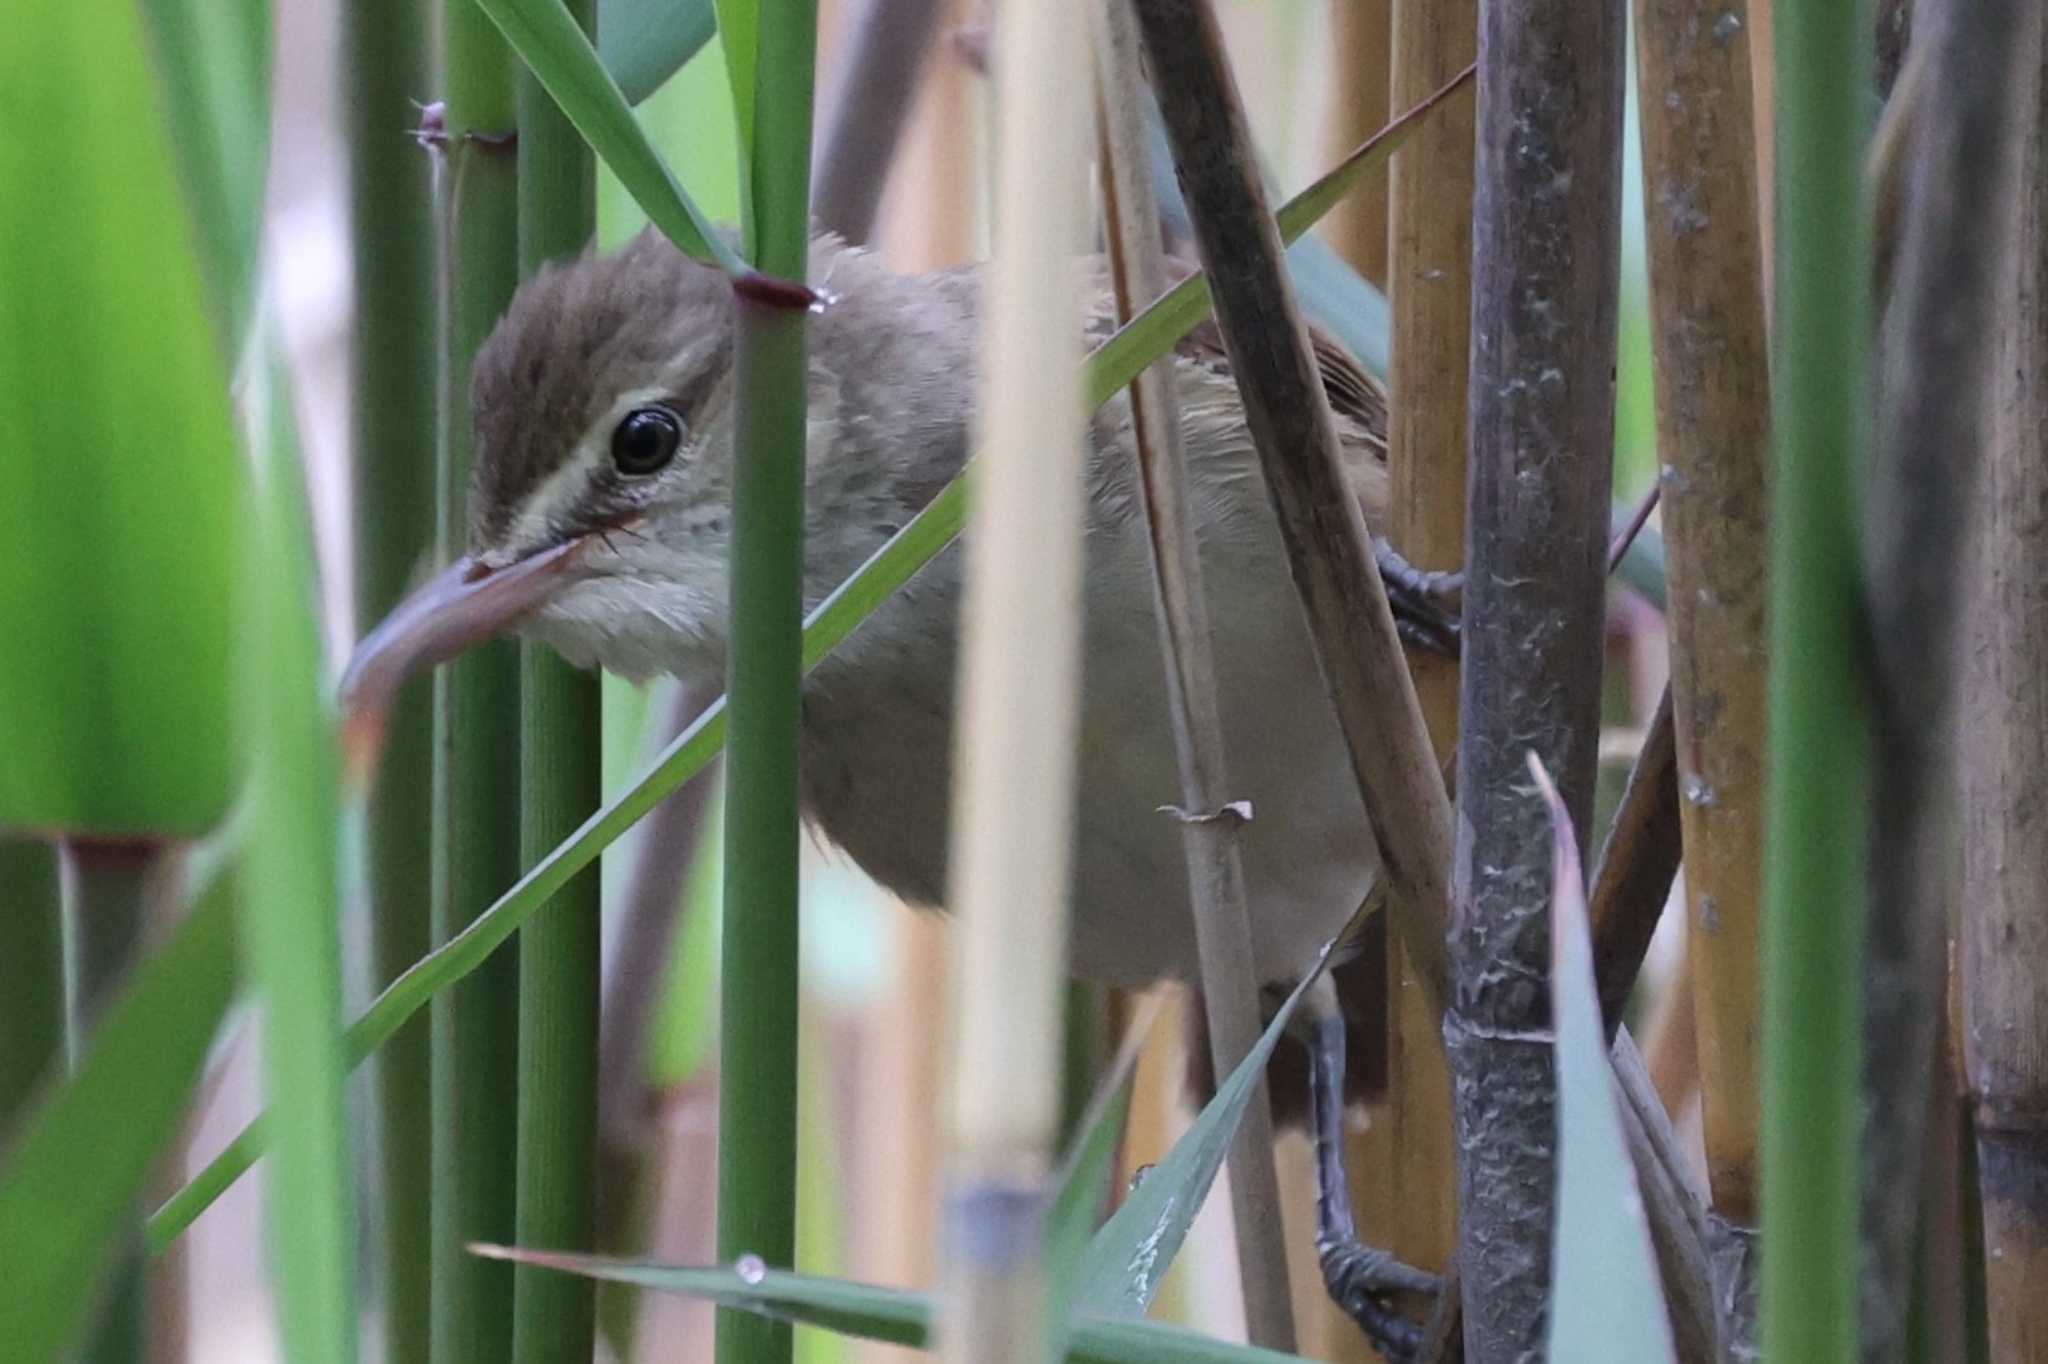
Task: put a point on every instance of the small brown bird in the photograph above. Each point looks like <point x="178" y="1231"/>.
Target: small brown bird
<point x="600" y="523"/>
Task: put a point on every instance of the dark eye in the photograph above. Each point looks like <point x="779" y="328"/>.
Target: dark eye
<point x="646" y="440"/>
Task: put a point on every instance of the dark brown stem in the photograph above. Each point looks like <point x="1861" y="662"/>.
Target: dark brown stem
<point x="1636" y="868"/>
<point x="1289" y="417"/>
<point x="1935" y="367"/>
<point x="1545" y="243"/>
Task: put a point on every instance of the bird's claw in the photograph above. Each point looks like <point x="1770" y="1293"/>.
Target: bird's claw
<point x="1427" y="603"/>
<point x="1362" y="1281"/>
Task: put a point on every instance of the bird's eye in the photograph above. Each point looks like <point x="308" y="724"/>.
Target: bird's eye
<point x="646" y="440"/>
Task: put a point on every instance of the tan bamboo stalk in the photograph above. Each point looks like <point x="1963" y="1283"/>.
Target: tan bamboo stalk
<point x="1223" y="933"/>
<point x="1713" y="427"/>
<point x="1356" y="75"/>
<point x="1429" y="286"/>
<point x="1020" y="675"/>
<point x="2005" y="784"/>
<point x="1763" y="64"/>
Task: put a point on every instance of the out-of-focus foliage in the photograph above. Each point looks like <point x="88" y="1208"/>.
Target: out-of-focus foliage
<point x="121" y="484"/>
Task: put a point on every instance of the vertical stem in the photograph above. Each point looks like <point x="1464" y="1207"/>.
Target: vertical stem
<point x="1014" y="761"/>
<point x="106" y="910"/>
<point x="31" y="975"/>
<point x="1813" y="927"/>
<point x="1359" y="71"/>
<point x="879" y="75"/>
<point x="1937" y="368"/>
<point x="561" y="748"/>
<point x="476" y="731"/>
<point x="1214" y="860"/>
<point x="1429" y="285"/>
<point x="1713" y="421"/>
<point x="1546" y="248"/>
<point x="2004" y="761"/>
<point x="757" y="1115"/>
<point x="758" y="1031"/>
<point x="392" y="352"/>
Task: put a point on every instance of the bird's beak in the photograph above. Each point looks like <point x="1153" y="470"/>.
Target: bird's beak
<point x="464" y="605"/>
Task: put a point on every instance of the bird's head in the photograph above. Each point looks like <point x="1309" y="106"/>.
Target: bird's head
<point x="600" y="495"/>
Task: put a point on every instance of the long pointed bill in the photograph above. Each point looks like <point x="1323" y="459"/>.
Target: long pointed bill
<point x="464" y="605"/>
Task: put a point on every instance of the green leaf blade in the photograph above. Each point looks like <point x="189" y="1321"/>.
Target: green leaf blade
<point x="644" y="42"/>
<point x="545" y="35"/>
<point x="1606" y="1304"/>
<point x="293" y="913"/>
<point x="892" y="1315"/>
<point x="739" y="33"/>
<point x="119" y="493"/>
<point x="1120" y="1272"/>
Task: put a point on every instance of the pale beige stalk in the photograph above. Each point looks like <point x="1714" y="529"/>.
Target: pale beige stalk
<point x="1216" y="883"/>
<point x="1015" y="759"/>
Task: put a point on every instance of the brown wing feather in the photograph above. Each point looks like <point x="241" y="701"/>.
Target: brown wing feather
<point x="1357" y="400"/>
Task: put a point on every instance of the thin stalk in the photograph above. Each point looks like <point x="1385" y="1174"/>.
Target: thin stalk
<point x="476" y="731"/>
<point x="2005" y="786"/>
<point x="1938" y="366"/>
<point x="879" y="72"/>
<point x="392" y="351"/>
<point x="1209" y="831"/>
<point x="1289" y="417"/>
<point x="1429" y="289"/>
<point x="760" y="981"/>
<point x="1713" y="417"/>
<point x="1636" y="868"/>
<point x="1546" y="236"/>
<point x="106" y="913"/>
<point x="1359" y="67"/>
<point x="31" y="976"/>
<point x="1411" y="1121"/>
<point x="561" y="750"/>
<point x="1813" y="926"/>
<point x="759" y="992"/>
<point x="1014" y="769"/>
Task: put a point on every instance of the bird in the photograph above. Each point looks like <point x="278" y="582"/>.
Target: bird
<point x="600" y="523"/>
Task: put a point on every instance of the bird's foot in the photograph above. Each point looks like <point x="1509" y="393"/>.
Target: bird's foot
<point x="1427" y="603"/>
<point x="1360" y="1279"/>
<point x="1362" y="1282"/>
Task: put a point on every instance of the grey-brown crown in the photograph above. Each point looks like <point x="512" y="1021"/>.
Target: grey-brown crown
<point x="577" y="335"/>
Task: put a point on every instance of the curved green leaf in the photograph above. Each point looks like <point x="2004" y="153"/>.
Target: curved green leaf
<point x="1120" y="1272"/>
<point x="550" y="41"/>
<point x="644" y="42"/>
<point x="893" y="1315"/>
<point x="120" y="481"/>
<point x="739" y="33"/>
